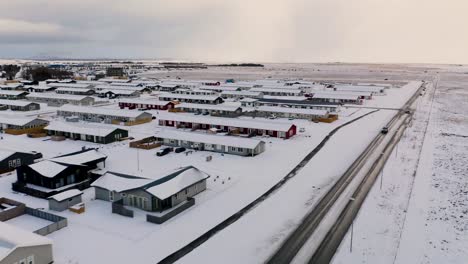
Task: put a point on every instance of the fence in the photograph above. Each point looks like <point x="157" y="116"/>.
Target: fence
<point x="161" y="219"/>
<point x="119" y="208"/>
<point x="58" y="221"/>
<point x="146" y="143"/>
<point x="16" y="210"/>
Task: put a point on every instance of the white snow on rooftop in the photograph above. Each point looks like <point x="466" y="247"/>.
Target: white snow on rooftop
<point x="66" y="195"/>
<point x="232" y="122"/>
<point x="114" y="182"/>
<point x="292" y="110"/>
<point x="17" y="121"/>
<point x="80" y="158"/>
<point x="183" y="180"/>
<point x="100" y="111"/>
<point x="48" y="168"/>
<point x="68" y="97"/>
<point x="82" y="129"/>
<point x="219" y="107"/>
<point x="188" y="96"/>
<point x="12" y="237"/>
<point x="210" y="139"/>
<point x="14" y="102"/>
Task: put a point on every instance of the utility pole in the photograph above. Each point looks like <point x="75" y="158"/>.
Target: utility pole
<point x="352" y="230"/>
<point x="381" y="178"/>
<point x="138" y="160"/>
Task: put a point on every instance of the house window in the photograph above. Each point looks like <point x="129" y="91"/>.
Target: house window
<point x="30" y="260"/>
<point x="111" y="196"/>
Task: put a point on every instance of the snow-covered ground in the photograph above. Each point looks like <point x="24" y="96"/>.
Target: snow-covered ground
<point x="241" y="179"/>
<point x="420" y="214"/>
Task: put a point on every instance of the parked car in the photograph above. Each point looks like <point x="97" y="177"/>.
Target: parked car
<point x="206" y="113"/>
<point x="164" y="151"/>
<point x="179" y="150"/>
<point x="302" y="129"/>
<point x="384" y="130"/>
<point x="272" y="117"/>
<point x="197" y="113"/>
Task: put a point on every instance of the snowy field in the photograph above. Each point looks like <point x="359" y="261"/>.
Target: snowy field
<point x="420" y="213"/>
<point x="241" y="179"/>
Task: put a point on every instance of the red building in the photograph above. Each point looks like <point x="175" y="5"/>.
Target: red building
<point x="240" y="126"/>
<point x="142" y="104"/>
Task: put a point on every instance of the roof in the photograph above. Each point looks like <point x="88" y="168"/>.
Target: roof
<point x="70" y="85"/>
<point x="114" y="80"/>
<point x="83" y="90"/>
<point x="176" y="182"/>
<point x="296" y="102"/>
<point x="12" y="237"/>
<point x="101" y="111"/>
<point x="292" y="110"/>
<point x="189" y="96"/>
<point x="140" y="101"/>
<point x="68" y="97"/>
<point x="18" y="121"/>
<point x="162" y="186"/>
<point x="48" y="168"/>
<point x="230" y="141"/>
<point x="8" y="92"/>
<point x="81" y="129"/>
<point x="335" y="96"/>
<point x="348" y="87"/>
<point x="80" y="158"/>
<point x="219" y="107"/>
<point x="66" y="195"/>
<point x="117" y="91"/>
<point x="232" y="122"/>
<point x="15" y="102"/>
<point x="275" y="90"/>
<point x="246" y="93"/>
<point x="119" y="87"/>
<point x="120" y="182"/>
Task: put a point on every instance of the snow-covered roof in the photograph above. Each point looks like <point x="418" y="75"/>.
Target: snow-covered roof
<point x="347" y="87"/>
<point x="8" y="92"/>
<point x="336" y="96"/>
<point x="66" y="195"/>
<point x="68" y="97"/>
<point x="182" y="179"/>
<point x="292" y="110"/>
<point x="118" y="87"/>
<point x="82" y="90"/>
<point x="275" y="90"/>
<point x="80" y="158"/>
<point x="12" y="237"/>
<point x="219" y="88"/>
<point x="242" y="93"/>
<point x="14" y="102"/>
<point x="218" y="107"/>
<point x="118" y="91"/>
<point x="48" y="168"/>
<point x="18" y="121"/>
<point x="110" y="80"/>
<point x="140" y="101"/>
<point x="230" y="141"/>
<point x="232" y="122"/>
<point x="188" y="96"/>
<point x="161" y="186"/>
<point x="119" y="182"/>
<point x="69" y="85"/>
<point x="101" y="111"/>
<point x="81" y="129"/>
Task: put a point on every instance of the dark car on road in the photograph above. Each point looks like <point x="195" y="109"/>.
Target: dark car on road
<point x="179" y="150"/>
<point x="164" y="151"/>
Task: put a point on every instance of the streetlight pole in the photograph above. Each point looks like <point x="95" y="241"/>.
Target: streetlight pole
<point x="352" y="230"/>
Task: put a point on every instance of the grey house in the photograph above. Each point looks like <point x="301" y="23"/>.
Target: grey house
<point x="20" y="246"/>
<point x="155" y="194"/>
<point x="64" y="200"/>
<point x="222" y="144"/>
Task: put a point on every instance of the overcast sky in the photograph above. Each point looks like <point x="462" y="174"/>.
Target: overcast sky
<point x="238" y="30"/>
